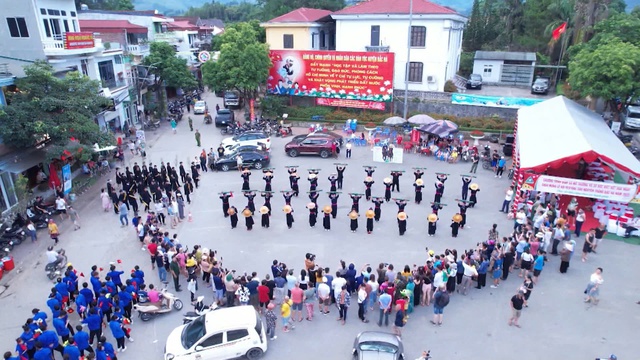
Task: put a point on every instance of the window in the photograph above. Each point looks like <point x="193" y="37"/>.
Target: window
<point x="213" y="340"/>
<point x="106" y="73"/>
<point x="75" y="25"/>
<point x="55" y="28"/>
<point x="487" y="70"/>
<point x="287" y="41"/>
<point x="234" y="335"/>
<point x="375" y="35"/>
<point x="415" y="72"/>
<point x="313" y="40"/>
<point x="323" y="42"/>
<point x="43" y="11"/>
<point x="47" y="30"/>
<point x="118" y="59"/>
<point x="73" y="14"/>
<point x="53" y="12"/>
<point x="418" y="36"/>
<point x="66" y="25"/>
<point x="17" y="27"/>
<point x="63" y="13"/>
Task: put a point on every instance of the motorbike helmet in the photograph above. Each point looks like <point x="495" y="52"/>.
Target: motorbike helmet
<point x="613" y="357"/>
<point x="50" y="248"/>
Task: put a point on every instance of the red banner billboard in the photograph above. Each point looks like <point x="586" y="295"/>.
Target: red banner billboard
<point x="342" y="75"/>
<point x="358" y="104"/>
<point x="78" y="40"/>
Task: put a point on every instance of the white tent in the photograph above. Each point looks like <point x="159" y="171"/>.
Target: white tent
<point x="559" y="131"/>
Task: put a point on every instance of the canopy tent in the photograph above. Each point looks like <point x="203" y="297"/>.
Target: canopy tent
<point x="559" y="131"/>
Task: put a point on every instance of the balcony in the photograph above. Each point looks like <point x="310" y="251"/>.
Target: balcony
<point x="138" y="50"/>
<point x="57" y="47"/>
<point x="168" y="37"/>
<point x="377" y="48"/>
<point x="113" y="84"/>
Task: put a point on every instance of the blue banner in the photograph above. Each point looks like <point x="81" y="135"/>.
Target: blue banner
<point x="493" y="101"/>
<point x="66" y="178"/>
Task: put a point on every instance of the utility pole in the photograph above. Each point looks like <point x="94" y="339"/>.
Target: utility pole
<point x="406" y="69"/>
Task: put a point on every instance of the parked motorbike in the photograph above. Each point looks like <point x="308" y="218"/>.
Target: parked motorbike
<point x="41" y="220"/>
<point x="148" y="311"/>
<point x="54" y="270"/>
<point x="198" y="309"/>
<point x="284" y="131"/>
<point x="152" y="124"/>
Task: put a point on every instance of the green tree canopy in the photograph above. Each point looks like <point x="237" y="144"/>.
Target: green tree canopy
<point x="166" y="66"/>
<point x="106" y="4"/>
<point x="243" y="64"/>
<point x="57" y="108"/>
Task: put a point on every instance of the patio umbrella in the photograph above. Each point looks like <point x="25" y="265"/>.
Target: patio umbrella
<point x="394" y="120"/>
<point x="421" y="119"/>
<point x="440" y="128"/>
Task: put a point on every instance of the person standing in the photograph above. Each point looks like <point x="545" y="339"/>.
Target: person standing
<point x="580" y="218"/>
<point x="507" y="200"/>
<point x="433" y="221"/>
<point x="326" y="220"/>
<point x="271" y="318"/>
<point x="334" y="204"/>
<point x="124" y="212"/>
<point x="500" y="167"/>
<point x="174" y="126"/>
<point x="589" y="239"/>
<point x="340" y="178"/>
<point x="517" y="301"/>
<point x="248" y="218"/>
<point x="54" y="233"/>
<point x="538" y="265"/>
<point x="473" y="199"/>
<point x="565" y="257"/>
<point x="402" y="223"/>
<point x="419" y="185"/>
<point x="440" y="301"/>
<point x="362" y="302"/>
<point x="398" y="324"/>
<point x="466" y="180"/>
<point x="370" y="214"/>
<point x="285" y="312"/>
<point x="174" y="267"/>
<point x="289" y="215"/>
<point x="395" y="182"/>
<point x="343" y="298"/>
<point x="600" y="232"/>
<point x="348" y="152"/>
<point x="368" y="182"/>
<point x="353" y="215"/>
<point x="197" y="136"/>
<point x="264" y="211"/>
<point x="190" y="120"/>
<point x="475" y="159"/>
<point x="593" y="288"/>
<point x="384" y="301"/>
<point x="309" y="300"/>
<point x="233" y="216"/>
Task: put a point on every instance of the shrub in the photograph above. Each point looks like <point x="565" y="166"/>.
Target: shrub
<point x="450" y="87"/>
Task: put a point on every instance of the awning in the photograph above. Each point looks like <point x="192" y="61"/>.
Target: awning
<point x="16" y="162"/>
<point x="559" y="131"/>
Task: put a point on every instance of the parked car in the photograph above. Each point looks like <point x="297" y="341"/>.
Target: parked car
<point x="337" y="137"/>
<point x="311" y="145"/>
<point x="232" y="99"/>
<point x="630" y="118"/>
<point x="370" y="345"/>
<point x="474" y="82"/>
<point x="541" y="85"/>
<point x="224" y="117"/>
<point x="243" y="148"/>
<point x="223" y="334"/>
<point x="252" y="159"/>
<point x="257" y="138"/>
<point x="200" y="107"/>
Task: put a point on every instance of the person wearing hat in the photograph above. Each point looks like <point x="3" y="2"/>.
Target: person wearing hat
<point x="455" y="224"/>
<point x="435" y="207"/>
<point x="248" y="218"/>
<point x="439" y="192"/>
<point x="463" y="212"/>
<point x="418" y="185"/>
<point x="377" y="202"/>
<point x="287" y="195"/>
<point x="368" y="181"/>
<point x="332" y="180"/>
<point x="313" y="181"/>
<point x="326" y="220"/>
<point x="313" y="213"/>
<point x="517" y="301"/>
<point x="433" y="221"/>
<point x="473" y="199"/>
<point x="402" y="223"/>
<point x="442" y="178"/>
<point x="465" y="187"/>
<point x="369" y="170"/>
<point x="418" y="174"/>
<point x="293" y="181"/>
<point x="233" y="214"/>
<point x="267" y="199"/>
<point x="250" y="195"/>
<point x="353" y="215"/>
<point x="265" y="211"/>
<point x="245" y="179"/>
<point x="370" y="214"/>
<point x="333" y="196"/>
<point x="387" y="189"/>
<point x="500" y="169"/>
<point x="289" y="215"/>
<point x="340" y="169"/>
<point x="401" y="204"/>
<point x="268" y="176"/>
<point x="395" y="182"/>
<point x="313" y="196"/>
<point x="356" y="202"/>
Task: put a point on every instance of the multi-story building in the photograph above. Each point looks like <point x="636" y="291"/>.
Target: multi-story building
<point x="301" y="29"/>
<point x="130" y="37"/>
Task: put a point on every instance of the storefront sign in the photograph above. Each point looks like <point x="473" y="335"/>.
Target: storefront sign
<point x="332" y="74"/>
<point x="66" y="178"/>
<point x="358" y="104"/>
<point x="492" y="101"/>
<point x="78" y="40"/>
<point x="584" y="188"/>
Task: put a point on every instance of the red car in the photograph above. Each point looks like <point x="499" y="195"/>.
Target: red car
<point x="311" y="145"/>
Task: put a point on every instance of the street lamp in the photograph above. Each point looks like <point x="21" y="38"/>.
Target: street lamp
<point x="406" y="69"/>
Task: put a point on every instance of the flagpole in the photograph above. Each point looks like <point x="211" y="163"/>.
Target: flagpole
<point x="562" y="46"/>
<point x="406" y="69"/>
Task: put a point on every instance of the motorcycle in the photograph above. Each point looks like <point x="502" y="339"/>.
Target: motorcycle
<point x="147" y="312"/>
<point x="55" y="270"/>
<point x="40" y="221"/>
<point x="198" y="309"/>
<point x="284" y="130"/>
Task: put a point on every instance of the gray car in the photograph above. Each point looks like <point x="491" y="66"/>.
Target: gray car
<point x="377" y="345"/>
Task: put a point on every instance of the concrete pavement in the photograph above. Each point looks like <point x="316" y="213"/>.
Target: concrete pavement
<point x="556" y="325"/>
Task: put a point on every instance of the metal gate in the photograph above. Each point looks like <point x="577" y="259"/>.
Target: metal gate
<point x="517" y="75"/>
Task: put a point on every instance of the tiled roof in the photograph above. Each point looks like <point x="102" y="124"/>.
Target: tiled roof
<point x="181" y="25"/>
<point x="301" y="15"/>
<point x="111" y="26"/>
<point x="371" y="7"/>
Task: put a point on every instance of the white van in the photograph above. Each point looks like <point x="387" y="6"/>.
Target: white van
<point x="222" y="334"/>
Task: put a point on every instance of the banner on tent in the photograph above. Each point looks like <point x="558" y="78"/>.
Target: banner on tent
<point x="529" y="182"/>
<point x="584" y="188"/>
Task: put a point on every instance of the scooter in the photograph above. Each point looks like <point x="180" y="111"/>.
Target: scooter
<point x="40" y="221"/>
<point x="199" y="309"/>
<point x="148" y="311"/>
<point x="54" y="270"/>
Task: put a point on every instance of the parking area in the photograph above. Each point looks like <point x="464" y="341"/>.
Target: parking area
<point x="509" y="91"/>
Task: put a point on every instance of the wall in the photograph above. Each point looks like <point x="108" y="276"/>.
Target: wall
<point x="301" y="37"/>
<point x="443" y="108"/>
<point x="68" y="6"/>
<point x="439" y="56"/>
<point x="18" y="49"/>
<point x="119" y="38"/>
<point x="496" y="69"/>
<point x="146" y="21"/>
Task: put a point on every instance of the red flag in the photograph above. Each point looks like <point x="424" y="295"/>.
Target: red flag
<point x="557" y="32"/>
<point x="119" y="261"/>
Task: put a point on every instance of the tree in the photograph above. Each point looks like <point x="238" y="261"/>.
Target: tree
<point x="167" y="67"/>
<point x="243" y="64"/>
<point x="275" y="8"/>
<point x="55" y="108"/>
<point x="261" y="34"/>
<point x="106" y="4"/>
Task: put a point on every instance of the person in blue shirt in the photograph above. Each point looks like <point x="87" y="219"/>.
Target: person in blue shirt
<point x="81" y="305"/>
<point x="38" y="316"/>
<point x="101" y="354"/>
<point x="63" y="289"/>
<point x="94" y="323"/>
<point x="482" y="273"/>
<point x="28" y="339"/>
<point x="49" y="339"/>
<point x="118" y="332"/>
<point x="7" y="356"/>
<point x="96" y="283"/>
<point x="115" y="275"/>
<point x="105" y="305"/>
<point x="56" y="311"/>
<point x="126" y="302"/>
<point x="53" y="300"/>
<point x="72" y="284"/>
<point x="110" y="286"/>
<point x="72" y="350"/>
<point x="500" y="168"/>
<point x="108" y="348"/>
<point x="138" y="274"/>
<point x="88" y="294"/>
<point x="42" y="352"/>
<point x="538" y="265"/>
<point x="60" y="324"/>
<point x="21" y="350"/>
<point x="82" y="340"/>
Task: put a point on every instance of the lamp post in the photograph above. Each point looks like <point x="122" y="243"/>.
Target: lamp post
<point x="406" y="69"/>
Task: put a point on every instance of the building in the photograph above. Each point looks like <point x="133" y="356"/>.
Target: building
<point x="301" y="29"/>
<point x="132" y="38"/>
<point x="505" y="68"/>
<point x="383" y="26"/>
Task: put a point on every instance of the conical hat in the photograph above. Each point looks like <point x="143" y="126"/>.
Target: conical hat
<point x="353" y="215"/>
<point x="402" y="216"/>
<point x="311" y="205"/>
<point x="247" y="212"/>
<point x="386" y="180"/>
<point x="561" y="221"/>
<point x="231" y="211"/>
<point x="312" y="176"/>
<point x="474" y="186"/>
<point x="327" y="209"/>
<point x="368" y="179"/>
<point x="264" y="210"/>
<point x="287" y="209"/>
<point x="457" y="218"/>
<point x="268" y="173"/>
<point x="370" y="214"/>
<point x="419" y="182"/>
<point x="432" y="218"/>
<point x="294" y="174"/>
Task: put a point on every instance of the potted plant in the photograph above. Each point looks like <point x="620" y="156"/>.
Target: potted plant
<point x="476" y="135"/>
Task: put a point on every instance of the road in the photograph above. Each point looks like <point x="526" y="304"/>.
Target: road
<point x="557" y="321"/>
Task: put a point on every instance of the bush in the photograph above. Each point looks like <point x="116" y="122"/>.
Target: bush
<point x="450" y="87"/>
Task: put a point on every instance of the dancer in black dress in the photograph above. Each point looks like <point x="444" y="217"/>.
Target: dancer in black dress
<point x="353" y="215"/>
<point x="333" y="196"/>
<point x="224" y="196"/>
<point x="463" y="205"/>
<point x="250" y="195"/>
<point x="267" y="199"/>
<point x="455" y="224"/>
<point x="439" y="192"/>
<point x="233" y="214"/>
<point x="293" y="180"/>
<point x="465" y="187"/>
<point x="265" y="212"/>
<point x="395" y="183"/>
<point x="442" y="178"/>
<point x="387" y="189"/>
<point x="370" y="214"/>
<point x="473" y="199"/>
<point x="245" y="179"/>
<point x="402" y="223"/>
<point x="340" y="169"/>
<point x="248" y="218"/>
<point x="418" y="173"/>
<point x="313" y="214"/>
<point x="326" y="220"/>
<point x="333" y="180"/>
<point x="289" y="215"/>
<point x="418" y="185"/>
<point x="401" y="204"/>
<point x="268" y="176"/>
<point x="377" y="210"/>
<point x="433" y="221"/>
<point x="356" y="202"/>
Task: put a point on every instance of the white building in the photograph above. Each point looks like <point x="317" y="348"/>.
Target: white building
<point x="383" y="26"/>
<point x="505" y="68"/>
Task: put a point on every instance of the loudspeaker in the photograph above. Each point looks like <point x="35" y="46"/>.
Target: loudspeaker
<point x="509" y="139"/>
<point x="507" y="149"/>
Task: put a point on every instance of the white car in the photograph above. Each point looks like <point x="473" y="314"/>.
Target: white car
<point x="200" y="107"/>
<point x="222" y="334"/>
<point x="257" y="138"/>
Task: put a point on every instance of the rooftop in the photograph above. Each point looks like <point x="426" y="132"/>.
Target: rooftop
<point x="123" y="12"/>
<point x="181" y="25"/>
<point x="505" y="55"/>
<point x="395" y="7"/>
<point x="212" y="22"/>
<point x="301" y="15"/>
<point x="112" y="26"/>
